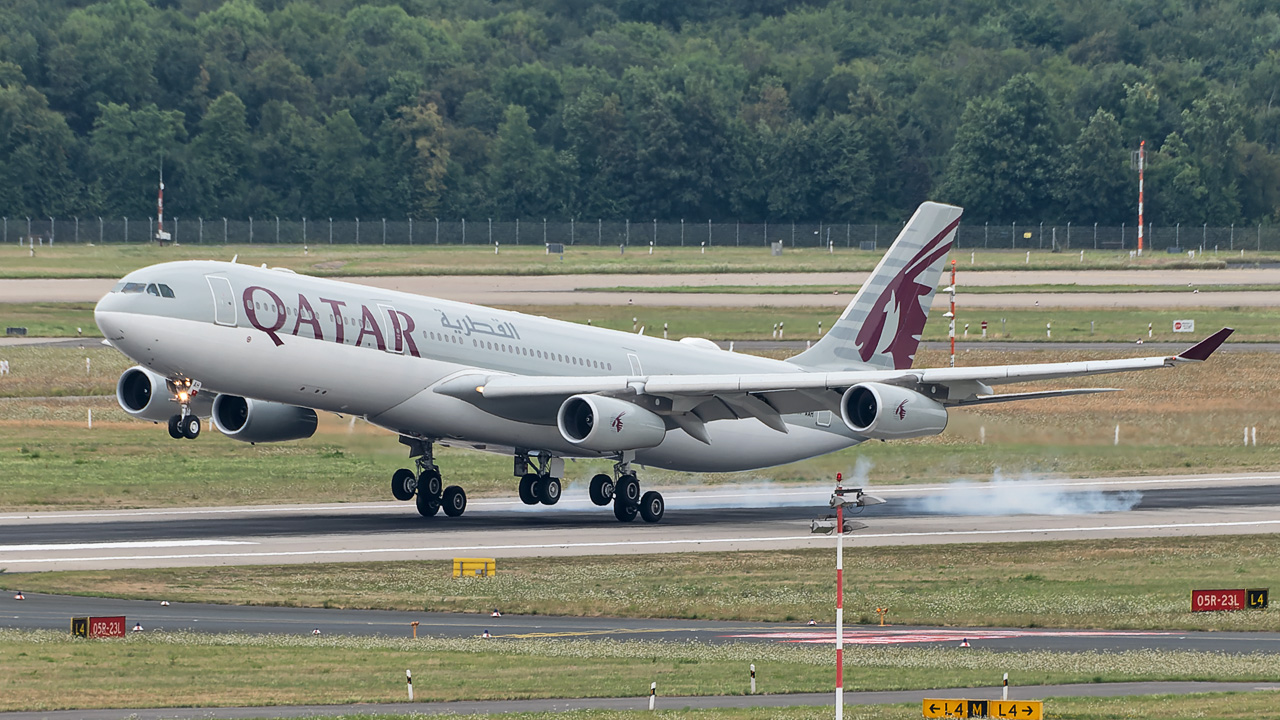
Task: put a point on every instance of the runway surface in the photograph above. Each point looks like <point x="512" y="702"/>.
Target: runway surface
<point x="519" y="291"/>
<point x="662" y="703"/>
<point x="755" y="516"/>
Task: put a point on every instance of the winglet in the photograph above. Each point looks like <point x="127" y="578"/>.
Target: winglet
<point x="1203" y="349"/>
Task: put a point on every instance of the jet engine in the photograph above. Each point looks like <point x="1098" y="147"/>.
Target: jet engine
<point x="888" y="412"/>
<point x="607" y="424"/>
<point x="146" y="395"/>
<point x="255" y="421"/>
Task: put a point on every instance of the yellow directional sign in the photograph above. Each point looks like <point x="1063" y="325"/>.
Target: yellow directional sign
<point x="945" y="708"/>
<point x="1020" y="709"/>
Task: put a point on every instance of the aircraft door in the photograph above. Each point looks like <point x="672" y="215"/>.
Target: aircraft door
<point x="224" y="300"/>
<point x="395" y="333"/>
<point x="635" y="363"/>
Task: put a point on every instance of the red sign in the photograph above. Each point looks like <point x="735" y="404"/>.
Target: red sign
<point x="101" y="627"/>
<point x="1211" y="600"/>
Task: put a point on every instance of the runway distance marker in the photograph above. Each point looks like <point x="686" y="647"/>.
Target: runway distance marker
<point x="936" y="708"/>
<point x="1020" y="709"/>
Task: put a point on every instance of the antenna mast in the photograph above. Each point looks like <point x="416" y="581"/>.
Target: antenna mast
<point x="1142" y="152"/>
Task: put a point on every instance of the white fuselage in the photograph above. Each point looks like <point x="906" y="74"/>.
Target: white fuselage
<point x="282" y="337"/>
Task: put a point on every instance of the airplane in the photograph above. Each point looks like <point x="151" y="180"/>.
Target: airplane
<point x="261" y="350"/>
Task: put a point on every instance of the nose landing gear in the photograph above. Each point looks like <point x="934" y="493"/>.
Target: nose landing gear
<point x="185" y="424"/>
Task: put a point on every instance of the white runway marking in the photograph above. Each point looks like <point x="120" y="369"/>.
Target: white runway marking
<point x="646" y="543"/>
<point x="121" y="545"/>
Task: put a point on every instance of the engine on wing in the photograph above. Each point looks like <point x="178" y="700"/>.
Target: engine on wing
<point x="607" y="424"/>
<point x="256" y="421"/>
<point x="887" y="412"/>
<point x="145" y="395"/>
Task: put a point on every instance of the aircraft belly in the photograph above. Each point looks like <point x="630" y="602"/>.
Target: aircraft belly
<point x="738" y="445"/>
<point x="432" y="414"/>
<point x="301" y="371"/>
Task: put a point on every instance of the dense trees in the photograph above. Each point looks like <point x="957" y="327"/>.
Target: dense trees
<point x="757" y="110"/>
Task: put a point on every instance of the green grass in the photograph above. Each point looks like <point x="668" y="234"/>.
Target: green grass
<point x="734" y="323"/>
<point x="112" y="261"/>
<point x="186" y="669"/>
<point x="1142" y="583"/>
<point x="1070" y="289"/>
<point x="1180" y="421"/>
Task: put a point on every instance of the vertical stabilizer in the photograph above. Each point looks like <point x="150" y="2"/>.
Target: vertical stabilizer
<point x="881" y="327"/>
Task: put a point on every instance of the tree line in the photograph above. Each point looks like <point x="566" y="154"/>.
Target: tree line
<point x="759" y="110"/>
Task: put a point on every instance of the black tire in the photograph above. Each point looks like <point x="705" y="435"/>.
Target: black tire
<point x="527" y="494"/>
<point x="601" y="489"/>
<point x="549" y="491"/>
<point x="428" y="505"/>
<point x="175" y="431"/>
<point x="628" y="489"/>
<point x="190" y="427"/>
<point x="430" y="484"/>
<point x="455" y="501"/>
<point x="652" y="507"/>
<point x="403" y="485"/>
<point x="625" y="512"/>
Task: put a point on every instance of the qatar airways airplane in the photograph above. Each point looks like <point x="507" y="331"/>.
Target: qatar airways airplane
<point x="260" y="350"/>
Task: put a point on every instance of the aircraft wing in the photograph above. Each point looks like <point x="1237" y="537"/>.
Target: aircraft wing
<point x="768" y="396"/>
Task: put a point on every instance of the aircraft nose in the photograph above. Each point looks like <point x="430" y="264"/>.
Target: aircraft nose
<point x="107" y="315"/>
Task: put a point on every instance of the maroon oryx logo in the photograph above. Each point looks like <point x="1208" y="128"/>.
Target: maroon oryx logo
<point x="901" y="412"/>
<point x="617" y="422"/>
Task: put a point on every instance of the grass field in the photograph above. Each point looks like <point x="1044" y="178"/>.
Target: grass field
<point x="1182" y="420"/>
<point x="112" y="261"/>
<point x="185" y="669"/>
<point x="68" y="320"/>
<point x="1117" y="584"/>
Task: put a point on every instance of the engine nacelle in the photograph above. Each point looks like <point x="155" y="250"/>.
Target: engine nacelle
<point x="607" y="424"/>
<point x="887" y="412"/>
<point x="145" y="395"/>
<point x="255" y="421"/>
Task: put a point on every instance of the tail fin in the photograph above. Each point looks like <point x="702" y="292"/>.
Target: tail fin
<point x="881" y="327"/>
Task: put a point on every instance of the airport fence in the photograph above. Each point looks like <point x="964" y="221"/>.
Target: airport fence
<point x="1003" y="236"/>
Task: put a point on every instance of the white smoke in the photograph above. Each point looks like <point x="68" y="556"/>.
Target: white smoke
<point x="1026" y="495"/>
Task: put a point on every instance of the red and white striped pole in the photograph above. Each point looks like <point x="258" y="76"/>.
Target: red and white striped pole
<point x="160" y="206"/>
<point x="1142" y="155"/>
<point x="839" y="601"/>
<point x="952" y="315"/>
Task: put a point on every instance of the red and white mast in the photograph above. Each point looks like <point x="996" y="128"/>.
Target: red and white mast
<point x="839" y="600"/>
<point x="1142" y="153"/>
<point x="161" y="235"/>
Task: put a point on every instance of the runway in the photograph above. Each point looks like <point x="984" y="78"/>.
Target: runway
<point x="54" y="612"/>
<point x="757" y="516"/>
<point x="521" y="291"/>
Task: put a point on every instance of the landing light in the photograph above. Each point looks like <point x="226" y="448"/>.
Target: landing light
<point x="182" y="396"/>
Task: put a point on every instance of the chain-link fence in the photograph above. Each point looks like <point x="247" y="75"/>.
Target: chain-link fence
<point x="1010" y="236"/>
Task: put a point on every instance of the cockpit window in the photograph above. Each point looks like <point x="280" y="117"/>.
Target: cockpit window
<point x="118" y="287"/>
<point x="153" y="290"/>
<point x="165" y="291"/>
<point x="133" y="287"/>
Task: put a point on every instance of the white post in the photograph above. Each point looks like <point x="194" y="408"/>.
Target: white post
<point x="408" y="676"/>
<point x="664" y="331"/>
<point x="1246" y="436"/>
<point x="1148" y="330"/>
<point x="982" y="434"/>
<point x="753" y="678"/>
<point x="1048" y="330"/>
<point x="653" y="694"/>
<point x="1004" y="694"/>
<point x="1028" y="257"/>
<point x="86" y="367"/>
<point x="90" y="418"/>
<point x="1117" y="440"/>
<point x="1254" y="433"/>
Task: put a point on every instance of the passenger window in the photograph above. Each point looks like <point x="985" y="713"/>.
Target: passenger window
<point x="165" y="291"/>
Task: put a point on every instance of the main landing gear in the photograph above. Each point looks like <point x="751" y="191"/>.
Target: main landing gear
<point x="542" y="485"/>
<point x="427" y="483"/>
<point x="626" y="496"/>
<point x="185" y="424"/>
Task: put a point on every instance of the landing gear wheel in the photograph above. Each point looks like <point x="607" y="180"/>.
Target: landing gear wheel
<point x="403" y="485"/>
<point x="549" y="490"/>
<point x="190" y="427"/>
<point x="527" y="484"/>
<point x="601" y="489"/>
<point x="628" y="489"/>
<point x="175" y="430"/>
<point x="428" y="505"/>
<point x="652" y="507"/>
<point x="430" y="484"/>
<point x="455" y="501"/>
<point x="624" y="511"/>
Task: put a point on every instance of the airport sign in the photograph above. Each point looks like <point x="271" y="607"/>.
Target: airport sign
<point x="963" y="708"/>
<point x="1217" y="600"/>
